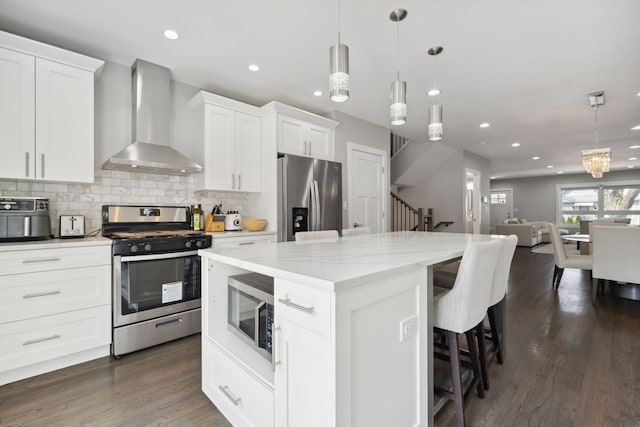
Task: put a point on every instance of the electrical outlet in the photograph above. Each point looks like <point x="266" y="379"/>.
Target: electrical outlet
<point x="408" y="328"/>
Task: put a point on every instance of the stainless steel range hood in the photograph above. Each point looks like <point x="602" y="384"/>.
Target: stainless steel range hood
<point x="150" y="151"/>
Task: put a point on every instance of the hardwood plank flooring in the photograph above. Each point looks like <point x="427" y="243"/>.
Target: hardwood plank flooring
<point x="568" y="363"/>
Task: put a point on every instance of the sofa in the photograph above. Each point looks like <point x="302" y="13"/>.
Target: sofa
<point x="530" y="233"/>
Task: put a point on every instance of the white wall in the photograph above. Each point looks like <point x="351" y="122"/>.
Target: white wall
<point x="534" y="199"/>
<point x="444" y="191"/>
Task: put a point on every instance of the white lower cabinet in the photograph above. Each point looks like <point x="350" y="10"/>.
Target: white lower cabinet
<point x="303" y="377"/>
<point x="55" y="308"/>
<point x="235" y="242"/>
<point x="240" y="396"/>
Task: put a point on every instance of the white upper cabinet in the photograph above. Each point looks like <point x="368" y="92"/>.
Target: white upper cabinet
<point x="301" y="133"/>
<point x="304" y="138"/>
<point x="17" y="115"/>
<point x="228" y="143"/>
<point x="46" y="112"/>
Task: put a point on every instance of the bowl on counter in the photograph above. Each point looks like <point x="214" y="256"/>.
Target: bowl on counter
<point x="252" y="224"/>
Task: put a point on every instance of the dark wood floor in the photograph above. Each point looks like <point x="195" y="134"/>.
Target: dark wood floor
<point x="569" y="364"/>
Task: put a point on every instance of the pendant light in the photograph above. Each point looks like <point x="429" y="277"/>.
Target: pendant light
<point x="398" y="109"/>
<point x="339" y="69"/>
<point x="435" y="110"/>
<point x="598" y="160"/>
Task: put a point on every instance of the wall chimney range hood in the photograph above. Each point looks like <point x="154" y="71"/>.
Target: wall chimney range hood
<point x="151" y="115"/>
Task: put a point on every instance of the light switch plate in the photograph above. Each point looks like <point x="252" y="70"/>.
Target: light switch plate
<point x="71" y="226"/>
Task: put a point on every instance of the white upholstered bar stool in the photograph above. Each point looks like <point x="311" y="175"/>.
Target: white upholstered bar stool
<point x="462" y="309"/>
<point x="355" y="231"/>
<point x="562" y="260"/>
<point x="498" y="292"/>
<point x="316" y="235"/>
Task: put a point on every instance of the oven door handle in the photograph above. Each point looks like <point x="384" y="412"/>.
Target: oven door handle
<point x="157" y="256"/>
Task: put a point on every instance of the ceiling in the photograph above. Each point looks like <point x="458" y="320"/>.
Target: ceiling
<point x="525" y="67"/>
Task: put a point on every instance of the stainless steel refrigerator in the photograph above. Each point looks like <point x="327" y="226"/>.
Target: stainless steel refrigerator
<point x="309" y="195"/>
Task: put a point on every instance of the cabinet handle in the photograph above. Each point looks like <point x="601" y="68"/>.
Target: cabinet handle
<point x="27" y="164"/>
<point x="37" y="340"/>
<point x="276" y="348"/>
<point x="304" y="151"/>
<point x="33" y="261"/>
<point x="169" y="322"/>
<point x="40" y="294"/>
<point x="246" y="243"/>
<point x="42" y="165"/>
<point x="233" y="180"/>
<point x="232" y="398"/>
<point x="296" y="306"/>
<point x="239" y="181"/>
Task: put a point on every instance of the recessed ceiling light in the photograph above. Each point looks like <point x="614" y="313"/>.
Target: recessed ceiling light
<point x="560" y="172"/>
<point x="134" y="166"/>
<point x="635" y="146"/>
<point x="493" y="177"/>
<point x="630" y="167"/>
<point x="636" y="127"/>
<point x="433" y="92"/>
<point x="171" y="35"/>
<point x="317" y="93"/>
<point x="484" y="125"/>
<point x="633" y="158"/>
<point x="515" y="144"/>
<point x="535" y="158"/>
<point x="550" y="167"/>
<point x="482" y="143"/>
<point x="254" y="67"/>
<point x="638" y="94"/>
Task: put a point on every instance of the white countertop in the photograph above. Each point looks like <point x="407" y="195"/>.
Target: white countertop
<point x="334" y="262"/>
<point x="54" y="243"/>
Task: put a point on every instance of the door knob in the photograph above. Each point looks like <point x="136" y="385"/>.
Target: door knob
<point x="356" y="225"/>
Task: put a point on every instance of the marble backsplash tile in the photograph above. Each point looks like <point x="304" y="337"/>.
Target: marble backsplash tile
<point x="116" y="187"/>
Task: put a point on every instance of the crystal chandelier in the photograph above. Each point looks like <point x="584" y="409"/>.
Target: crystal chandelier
<point x="339" y="69"/>
<point x="596" y="161"/>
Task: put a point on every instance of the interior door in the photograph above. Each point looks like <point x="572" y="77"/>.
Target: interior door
<point x="501" y="206"/>
<point x="368" y="188"/>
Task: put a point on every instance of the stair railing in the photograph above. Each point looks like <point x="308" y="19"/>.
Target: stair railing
<point x="407" y="218"/>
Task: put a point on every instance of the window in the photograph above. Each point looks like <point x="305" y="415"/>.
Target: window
<point x="604" y="201"/>
<point x="498" y="198"/>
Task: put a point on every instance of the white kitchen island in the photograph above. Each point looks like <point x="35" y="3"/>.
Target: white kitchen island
<point x="352" y="335"/>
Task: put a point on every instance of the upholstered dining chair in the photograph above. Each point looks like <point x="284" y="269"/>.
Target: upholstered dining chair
<point x="461" y="311"/>
<point x="616" y="251"/>
<point x="316" y="235"/>
<point x="562" y="260"/>
<point x="355" y="231"/>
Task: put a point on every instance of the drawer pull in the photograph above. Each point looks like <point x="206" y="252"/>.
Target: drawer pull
<point x="296" y="306"/>
<point x="168" y="322"/>
<point x="247" y="243"/>
<point x="232" y="398"/>
<point x="52" y="337"/>
<point x="33" y="261"/>
<point x="40" y="294"/>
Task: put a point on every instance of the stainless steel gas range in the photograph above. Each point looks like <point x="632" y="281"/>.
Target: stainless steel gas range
<point x="156" y="274"/>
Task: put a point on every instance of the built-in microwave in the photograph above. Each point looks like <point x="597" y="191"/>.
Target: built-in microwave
<point x="250" y="310"/>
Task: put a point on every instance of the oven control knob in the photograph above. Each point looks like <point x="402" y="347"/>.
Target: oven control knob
<point x="187" y="244"/>
<point x="199" y="243"/>
<point x="147" y="247"/>
<point x="133" y="248"/>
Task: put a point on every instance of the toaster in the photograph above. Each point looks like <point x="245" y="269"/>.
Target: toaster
<point x="233" y="221"/>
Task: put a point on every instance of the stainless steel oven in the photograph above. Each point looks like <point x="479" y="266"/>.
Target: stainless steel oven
<point x="156" y="275"/>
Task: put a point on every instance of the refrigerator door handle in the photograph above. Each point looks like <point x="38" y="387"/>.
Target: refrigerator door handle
<point x="312" y="206"/>
<point x="317" y="204"/>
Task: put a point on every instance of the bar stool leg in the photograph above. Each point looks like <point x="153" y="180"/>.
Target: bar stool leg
<point x="482" y="355"/>
<point x="475" y="364"/>
<point x="495" y="338"/>
<point x="456" y="377"/>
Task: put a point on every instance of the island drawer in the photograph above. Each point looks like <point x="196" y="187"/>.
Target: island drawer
<point x="304" y="306"/>
<point x="24" y="296"/>
<point x="241" y="397"/>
